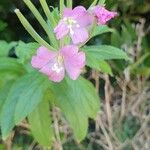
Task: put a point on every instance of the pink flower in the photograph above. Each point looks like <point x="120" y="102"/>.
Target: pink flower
<point x="102" y="15"/>
<point x="74" y="23"/>
<point x="54" y="64"/>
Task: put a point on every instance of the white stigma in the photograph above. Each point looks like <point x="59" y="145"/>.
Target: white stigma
<point x="58" y="66"/>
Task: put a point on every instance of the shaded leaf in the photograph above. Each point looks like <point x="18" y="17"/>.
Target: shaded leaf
<point x="40" y="122"/>
<point x="100" y="30"/>
<point x="11" y="65"/>
<point x="4" y="93"/>
<point x="99" y="65"/>
<point x="25" y="51"/>
<point x="77" y="100"/>
<point x="23" y="97"/>
<point x="6" y="47"/>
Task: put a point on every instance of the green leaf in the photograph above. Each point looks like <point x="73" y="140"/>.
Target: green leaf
<point x="4" y="93"/>
<point x="99" y="65"/>
<point x="40" y="124"/>
<point x="25" y="51"/>
<point x="6" y="47"/>
<point x="78" y="101"/>
<point x="116" y="39"/>
<point x="32" y="94"/>
<point x="104" y="52"/>
<point x="56" y="15"/>
<point x="11" y="65"/>
<point x="6" y="77"/>
<point x="24" y="96"/>
<point x="100" y="30"/>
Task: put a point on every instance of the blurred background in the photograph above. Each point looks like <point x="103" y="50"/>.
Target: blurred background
<point x="124" y="120"/>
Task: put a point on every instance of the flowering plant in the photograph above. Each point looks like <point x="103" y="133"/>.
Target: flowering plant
<point x="51" y="70"/>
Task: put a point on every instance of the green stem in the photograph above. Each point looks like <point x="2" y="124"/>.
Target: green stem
<point x="31" y="31"/>
<point x="61" y="7"/>
<point x="69" y="3"/>
<point x="41" y="21"/>
<point x="48" y="13"/>
<point x="101" y="2"/>
<point x="94" y="3"/>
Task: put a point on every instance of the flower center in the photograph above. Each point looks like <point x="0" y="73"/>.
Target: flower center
<point x="58" y="65"/>
<point x="71" y="23"/>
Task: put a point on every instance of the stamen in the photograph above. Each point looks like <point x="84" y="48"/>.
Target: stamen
<point x="71" y="23"/>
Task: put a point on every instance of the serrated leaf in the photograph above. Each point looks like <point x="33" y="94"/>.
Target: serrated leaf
<point x="4" y="93"/>
<point x="78" y="101"/>
<point x="56" y="15"/>
<point x="25" y="51"/>
<point x="100" y="30"/>
<point x="6" y="47"/>
<point x="99" y="65"/>
<point x="104" y="52"/>
<point x="11" y="65"/>
<point x="24" y="96"/>
<point x="116" y="39"/>
<point x="40" y="124"/>
<point x="32" y="94"/>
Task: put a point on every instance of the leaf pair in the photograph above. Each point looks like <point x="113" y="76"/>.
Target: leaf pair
<point x="96" y="56"/>
<point x="78" y="101"/>
<point x="29" y="96"/>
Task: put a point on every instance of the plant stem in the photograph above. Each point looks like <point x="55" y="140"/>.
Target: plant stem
<point x="69" y="3"/>
<point x="31" y="31"/>
<point x="94" y="3"/>
<point x="41" y="21"/>
<point x="48" y="13"/>
<point x="61" y="6"/>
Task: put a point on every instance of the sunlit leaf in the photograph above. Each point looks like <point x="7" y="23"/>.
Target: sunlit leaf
<point x="104" y="52"/>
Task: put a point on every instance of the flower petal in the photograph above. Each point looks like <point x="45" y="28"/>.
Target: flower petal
<point x="82" y="16"/>
<point x="45" y="53"/>
<point x="85" y="20"/>
<point x="69" y="51"/>
<point x="67" y="12"/>
<point x="74" y="61"/>
<point x="80" y="35"/>
<point x="43" y="57"/>
<point x="103" y="15"/>
<point x="78" y="11"/>
<point x="61" y="30"/>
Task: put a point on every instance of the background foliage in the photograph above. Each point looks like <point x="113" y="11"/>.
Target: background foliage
<point x="125" y="95"/>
